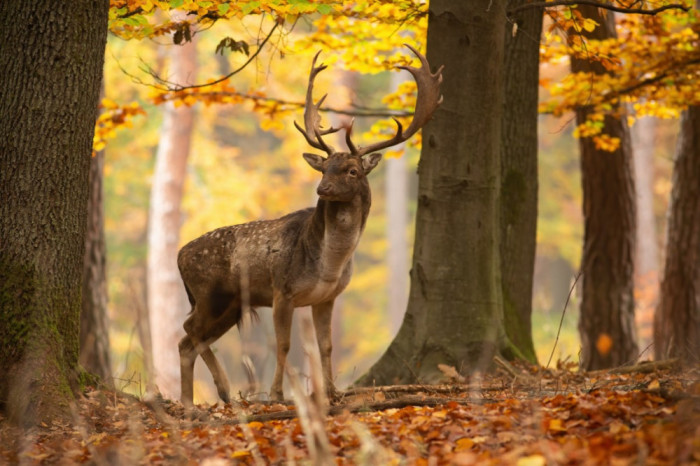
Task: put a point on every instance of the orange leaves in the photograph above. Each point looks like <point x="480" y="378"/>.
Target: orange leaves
<point x="604" y="344"/>
<point x="612" y="424"/>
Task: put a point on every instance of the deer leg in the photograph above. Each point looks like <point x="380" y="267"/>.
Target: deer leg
<point x="282" y="312"/>
<point x="322" y="314"/>
<point x="201" y="332"/>
<point x="220" y="380"/>
<point x="187" y="357"/>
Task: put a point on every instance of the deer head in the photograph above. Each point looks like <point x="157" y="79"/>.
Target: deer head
<point x="344" y="173"/>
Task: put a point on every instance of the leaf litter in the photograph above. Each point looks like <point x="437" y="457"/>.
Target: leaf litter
<point x="649" y="414"/>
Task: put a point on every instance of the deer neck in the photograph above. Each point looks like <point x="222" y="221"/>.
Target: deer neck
<point x="339" y="226"/>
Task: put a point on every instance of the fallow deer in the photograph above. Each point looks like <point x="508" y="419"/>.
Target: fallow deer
<point x="301" y="259"/>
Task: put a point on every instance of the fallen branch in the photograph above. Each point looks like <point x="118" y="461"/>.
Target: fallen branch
<point x="642" y="368"/>
<point x="397" y="403"/>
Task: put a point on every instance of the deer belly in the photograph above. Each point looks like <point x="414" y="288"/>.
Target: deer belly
<point x="318" y="292"/>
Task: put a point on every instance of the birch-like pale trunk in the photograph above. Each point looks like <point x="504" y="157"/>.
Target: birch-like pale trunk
<point x="646" y="266"/>
<point x="167" y="303"/>
<point x="397" y="225"/>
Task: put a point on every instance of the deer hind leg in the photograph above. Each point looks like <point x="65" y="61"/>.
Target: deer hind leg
<point x="203" y="329"/>
<point x="322" y="314"/>
<point x="282" y="312"/>
<point x="187" y="358"/>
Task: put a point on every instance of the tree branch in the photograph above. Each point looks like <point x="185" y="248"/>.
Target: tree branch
<point x="606" y="6"/>
<point x="173" y="87"/>
<point x="354" y="112"/>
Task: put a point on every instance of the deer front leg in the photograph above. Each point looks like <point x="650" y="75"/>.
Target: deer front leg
<point x="282" y="312"/>
<point x="322" y="314"/>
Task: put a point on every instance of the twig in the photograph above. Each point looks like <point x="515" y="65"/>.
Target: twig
<point x="605" y="6"/>
<point x="171" y="86"/>
<point x="563" y="313"/>
<point x="355" y="112"/>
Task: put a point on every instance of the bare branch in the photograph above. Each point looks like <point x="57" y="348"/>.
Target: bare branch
<point x="173" y="87"/>
<point x="606" y="6"/>
<point x="360" y="112"/>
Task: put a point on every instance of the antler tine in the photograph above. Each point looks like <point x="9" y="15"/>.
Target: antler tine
<point x="428" y="99"/>
<point x="312" y="120"/>
<point x="348" y="136"/>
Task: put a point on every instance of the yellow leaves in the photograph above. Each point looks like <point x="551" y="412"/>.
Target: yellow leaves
<point x="589" y="24"/>
<point x="532" y="460"/>
<point x="606" y="143"/>
<point x="112" y="117"/>
<point x="556" y="425"/>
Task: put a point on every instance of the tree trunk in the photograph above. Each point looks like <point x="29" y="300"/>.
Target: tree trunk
<point x="167" y="303"/>
<point x="397" y="224"/>
<point x="455" y="314"/>
<point x="606" y="324"/>
<point x="677" y="320"/>
<point x="646" y="265"/>
<point x="94" y="338"/>
<point x="519" y="178"/>
<point x="50" y="68"/>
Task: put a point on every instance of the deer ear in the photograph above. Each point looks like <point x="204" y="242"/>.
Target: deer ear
<point x="370" y="161"/>
<point x="316" y="161"/>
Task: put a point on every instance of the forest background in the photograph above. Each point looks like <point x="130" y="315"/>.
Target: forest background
<point x="245" y="164"/>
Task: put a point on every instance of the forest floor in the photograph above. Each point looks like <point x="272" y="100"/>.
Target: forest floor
<point x="647" y="414"/>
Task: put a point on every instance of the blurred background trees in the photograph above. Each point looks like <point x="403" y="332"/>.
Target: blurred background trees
<point x="245" y="162"/>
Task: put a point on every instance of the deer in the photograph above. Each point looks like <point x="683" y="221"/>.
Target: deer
<point x="301" y="259"/>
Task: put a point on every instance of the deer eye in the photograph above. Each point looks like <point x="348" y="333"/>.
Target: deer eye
<point x="352" y="172"/>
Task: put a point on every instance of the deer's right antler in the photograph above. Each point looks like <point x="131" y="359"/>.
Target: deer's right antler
<point x="428" y="99"/>
<point x="312" y="120"/>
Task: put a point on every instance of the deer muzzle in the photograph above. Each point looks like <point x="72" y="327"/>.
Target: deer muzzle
<point x="324" y="190"/>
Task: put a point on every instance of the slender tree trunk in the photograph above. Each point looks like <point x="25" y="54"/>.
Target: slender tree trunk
<point x="519" y="178"/>
<point x="607" y="309"/>
<point x="455" y="314"/>
<point x="94" y="337"/>
<point x="166" y="299"/>
<point x="50" y="68"/>
<point x="677" y="320"/>
<point x="646" y="273"/>
<point x="397" y="224"/>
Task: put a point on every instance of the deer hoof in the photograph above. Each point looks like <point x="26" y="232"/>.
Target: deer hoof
<point x="223" y="394"/>
<point x="277" y="395"/>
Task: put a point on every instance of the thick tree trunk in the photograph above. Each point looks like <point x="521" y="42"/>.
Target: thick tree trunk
<point x="519" y="178"/>
<point x="646" y="265"/>
<point x="50" y="69"/>
<point x="455" y="313"/>
<point x="167" y="303"/>
<point x="606" y="324"/>
<point x="94" y="338"/>
<point x="677" y="320"/>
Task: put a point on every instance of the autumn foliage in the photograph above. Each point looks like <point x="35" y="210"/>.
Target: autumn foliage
<point x="648" y="415"/>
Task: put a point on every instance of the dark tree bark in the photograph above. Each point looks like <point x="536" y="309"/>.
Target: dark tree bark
<point x="519" y="177"/>
<point x="94" y="338"/>
<point x="606" y="324"/>
<point x="455" y="313"/>
<point x="677" y="319"/>
<point x="50" y="68"/>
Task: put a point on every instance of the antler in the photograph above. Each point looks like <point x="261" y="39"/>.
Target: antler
<point x="427" y="101"/>
<point x="312" y="120"/>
